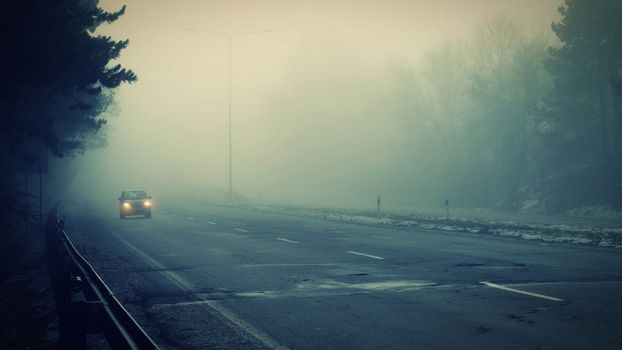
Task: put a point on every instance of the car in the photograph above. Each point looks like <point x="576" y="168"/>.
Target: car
<point x="134" y="202"/>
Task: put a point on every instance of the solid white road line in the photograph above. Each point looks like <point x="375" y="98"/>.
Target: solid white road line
<point x="188" y="287"/>
<point x="211" y="223"/>
<point x="286" y="240"/>
<point x="241" y="230"/>
<point x="494" y="285"/>
<point x="367" y="255"/>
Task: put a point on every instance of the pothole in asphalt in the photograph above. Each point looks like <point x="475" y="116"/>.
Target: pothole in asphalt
<point x="492" y="266"/>
<point x="394" y="285"/>
<point x="469" y="265"/>
<point x="332" y="287"/>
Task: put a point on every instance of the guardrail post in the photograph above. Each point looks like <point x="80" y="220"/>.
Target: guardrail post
<point x="94" y="316"/>
<point x="73" y="326"/>
<point x="63" y="301"/>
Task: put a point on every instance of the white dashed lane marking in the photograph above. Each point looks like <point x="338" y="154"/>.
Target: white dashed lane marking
<point x="367" y="255"/>
<point x="211" y="223"/>
<point x="508" y="289"/>
<point x="286" y="240"/>
<point x="239" y="229"/>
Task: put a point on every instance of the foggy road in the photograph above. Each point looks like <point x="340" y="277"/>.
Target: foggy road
<point x="336" y="174"/>
<point x="201" y="276"/>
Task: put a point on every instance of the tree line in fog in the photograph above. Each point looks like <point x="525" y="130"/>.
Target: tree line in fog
<point x="516" y="120"/>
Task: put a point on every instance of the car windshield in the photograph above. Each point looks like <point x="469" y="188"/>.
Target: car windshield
<point x="135" y="195"/>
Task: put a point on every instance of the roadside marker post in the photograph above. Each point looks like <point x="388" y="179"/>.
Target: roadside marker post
<point x="447" y="209"/>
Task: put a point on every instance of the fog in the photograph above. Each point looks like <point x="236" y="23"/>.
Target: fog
<point x="317" y="115"/>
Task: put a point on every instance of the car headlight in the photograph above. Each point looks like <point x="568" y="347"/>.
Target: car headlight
<point x="126" y="205"/>
<point x="147" y="204"/>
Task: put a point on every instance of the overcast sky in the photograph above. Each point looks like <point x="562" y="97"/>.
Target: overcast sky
<point x="388" y="26"/>
<point x="174" y="121"/>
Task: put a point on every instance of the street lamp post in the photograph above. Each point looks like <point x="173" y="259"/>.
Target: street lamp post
<point x="230" y="38"/>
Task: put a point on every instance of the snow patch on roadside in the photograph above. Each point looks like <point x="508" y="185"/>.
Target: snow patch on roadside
<point x="597" y="211"/>
<point x="594" y="236"/>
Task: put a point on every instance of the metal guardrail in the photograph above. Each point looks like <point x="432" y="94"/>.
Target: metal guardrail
<point x="84" y="303"/>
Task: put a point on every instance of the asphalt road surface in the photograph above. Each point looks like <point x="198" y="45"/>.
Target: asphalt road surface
<point x="204" y="276"/>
